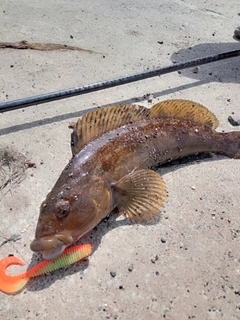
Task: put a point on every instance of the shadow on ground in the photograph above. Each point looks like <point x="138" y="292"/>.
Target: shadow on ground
<point x="221" y="71"/>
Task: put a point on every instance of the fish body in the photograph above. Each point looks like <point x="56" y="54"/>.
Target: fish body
<point x="113" y="169"/>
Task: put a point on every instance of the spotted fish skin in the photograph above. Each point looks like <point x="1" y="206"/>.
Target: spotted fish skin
<point x="113" y="169"/>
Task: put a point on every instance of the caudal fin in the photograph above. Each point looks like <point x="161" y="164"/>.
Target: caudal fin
<point x="229" y="144"/>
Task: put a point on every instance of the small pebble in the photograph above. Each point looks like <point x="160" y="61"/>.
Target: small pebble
<point x="41" y="162"/>
<point x="160" y="42"/>
<point x="233" y="122"/>
<point x="163" y="240"/>
<point x="150" y="98"/>
<point x="130" y="268"/>
<point x="113" y="274"/>
<point x="154" y="259"/>
<point x="237" y="33"/>
<point x="195" y="70"/>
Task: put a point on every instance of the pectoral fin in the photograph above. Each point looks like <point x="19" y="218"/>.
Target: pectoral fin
<point x="141" y="194"/>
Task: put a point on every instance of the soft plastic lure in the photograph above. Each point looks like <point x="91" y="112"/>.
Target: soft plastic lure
<point x="13" y="284"/>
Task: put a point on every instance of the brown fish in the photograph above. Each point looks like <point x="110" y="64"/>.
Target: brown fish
<point x="114" y="150"/>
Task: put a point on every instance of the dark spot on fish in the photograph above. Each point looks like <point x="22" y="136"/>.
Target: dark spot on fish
<point x="60" y="195"/>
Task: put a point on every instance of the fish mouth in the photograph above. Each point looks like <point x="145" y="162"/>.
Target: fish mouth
<point x="51" y="246"/>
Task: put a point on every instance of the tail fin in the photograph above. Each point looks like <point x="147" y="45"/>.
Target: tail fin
<point x="230" y="144"/>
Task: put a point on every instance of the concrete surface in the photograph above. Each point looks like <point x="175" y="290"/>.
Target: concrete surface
<point x="196" y="239"/>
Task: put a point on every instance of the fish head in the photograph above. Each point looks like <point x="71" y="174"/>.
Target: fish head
<point x="70" y="211"/>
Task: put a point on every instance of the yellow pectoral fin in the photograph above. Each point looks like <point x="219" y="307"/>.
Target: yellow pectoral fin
<point x="141" y="194"/>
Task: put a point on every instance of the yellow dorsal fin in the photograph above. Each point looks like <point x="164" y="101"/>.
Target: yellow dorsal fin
<point x="184" y="109"/>
<point x="141" y="194"/>
<point x="99" y="121"/>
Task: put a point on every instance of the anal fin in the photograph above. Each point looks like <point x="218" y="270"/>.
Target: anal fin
<point x="141" y="194"/>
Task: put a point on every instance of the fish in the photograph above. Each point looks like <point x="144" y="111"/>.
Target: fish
<point x="115" y="150"/>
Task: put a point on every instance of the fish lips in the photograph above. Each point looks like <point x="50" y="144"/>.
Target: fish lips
<point x="51" y="246"/>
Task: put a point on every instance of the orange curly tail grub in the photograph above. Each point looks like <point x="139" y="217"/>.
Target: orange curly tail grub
<point x="13" y="284"/>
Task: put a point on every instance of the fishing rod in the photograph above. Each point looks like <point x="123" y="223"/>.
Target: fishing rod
<point x="62" y="94"/>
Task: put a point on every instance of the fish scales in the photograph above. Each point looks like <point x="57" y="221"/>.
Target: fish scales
<point x="147" y="144"/>
<point x="112" y="167"/>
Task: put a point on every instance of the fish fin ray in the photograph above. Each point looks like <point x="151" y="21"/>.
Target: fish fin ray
<point x="99" y="121"/>
<point x="142" y="194"/>
<point x="184" y="109"/>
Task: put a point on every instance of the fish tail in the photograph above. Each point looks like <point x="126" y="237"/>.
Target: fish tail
<point x="230" y="144"/>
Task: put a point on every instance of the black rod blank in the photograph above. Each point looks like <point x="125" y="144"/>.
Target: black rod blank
<point x="62" y="94"/>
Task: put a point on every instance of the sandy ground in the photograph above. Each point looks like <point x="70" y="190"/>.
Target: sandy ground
<point x="196" y="239"/>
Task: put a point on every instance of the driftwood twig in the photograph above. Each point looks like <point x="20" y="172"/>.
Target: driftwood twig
<point x="40" y="46"/>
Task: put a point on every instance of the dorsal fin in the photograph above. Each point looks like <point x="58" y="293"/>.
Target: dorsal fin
<point x="99" y="121"/>
<point x="184" y="109"/>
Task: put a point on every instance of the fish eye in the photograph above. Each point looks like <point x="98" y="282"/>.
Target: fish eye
<point x="62" y="209"/>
